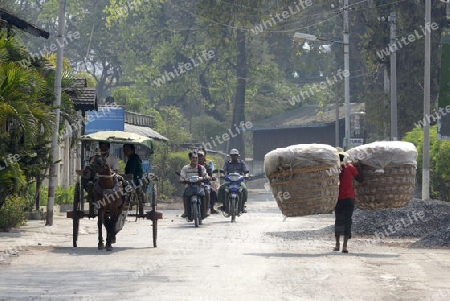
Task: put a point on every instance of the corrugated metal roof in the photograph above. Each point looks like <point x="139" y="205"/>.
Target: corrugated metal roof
<point x="83" y="98"/>
<point x="86" y="100"/>
<point x="22" y="24"/>
<point x="144" y="131"/>
<point x="305" y="116"/>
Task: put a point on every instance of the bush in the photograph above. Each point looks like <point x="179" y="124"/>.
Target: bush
<point x="439" y="163"/>
<point x="169" y="189"/>
<point x="64" y="195"/>
<point x="175" y="162"/>
<point x="44" y="196"/>
<point x="166" y="163"/>
<point x="12" y="212"/>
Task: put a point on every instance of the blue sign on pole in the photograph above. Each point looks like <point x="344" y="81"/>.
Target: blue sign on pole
<point x="108" y="118"/>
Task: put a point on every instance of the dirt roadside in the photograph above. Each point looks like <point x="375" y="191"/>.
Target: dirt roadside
<point x="260" y="257"/>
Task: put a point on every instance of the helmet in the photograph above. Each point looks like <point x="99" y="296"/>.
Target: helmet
<point x="234" y="152"/>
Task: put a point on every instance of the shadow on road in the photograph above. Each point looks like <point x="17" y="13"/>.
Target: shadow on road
<point x="303" y="234"/>
<point x="82" y="251"/>
<point x="331" y="253"/>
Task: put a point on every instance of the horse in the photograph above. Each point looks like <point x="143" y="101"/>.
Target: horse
<point x="107" y="198"/>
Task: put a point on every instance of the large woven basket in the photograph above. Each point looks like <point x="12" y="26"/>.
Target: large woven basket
<point x="311" y="190"/>
<point x="392" y="189"/>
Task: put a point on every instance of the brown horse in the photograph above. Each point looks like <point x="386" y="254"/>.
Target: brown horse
<point x="107" y="199"/>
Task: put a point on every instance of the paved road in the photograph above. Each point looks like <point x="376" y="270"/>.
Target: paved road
<point x="260" y="257"/>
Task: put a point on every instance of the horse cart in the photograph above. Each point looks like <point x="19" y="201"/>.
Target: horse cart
<point x="111" y="197"/>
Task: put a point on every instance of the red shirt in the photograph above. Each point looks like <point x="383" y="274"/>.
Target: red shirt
<point x="346" y="182"/>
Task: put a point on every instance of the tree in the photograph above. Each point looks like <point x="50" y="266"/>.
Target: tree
<point x="439" y="163"/>
<point x="373" y="39"/>
<point x="229" y="32"/>
<point x="24" y="115"/>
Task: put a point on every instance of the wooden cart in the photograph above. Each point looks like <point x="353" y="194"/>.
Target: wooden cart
<point x="137" y="197"/>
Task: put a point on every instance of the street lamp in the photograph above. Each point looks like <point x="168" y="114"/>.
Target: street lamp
<point x="302" y="37"/>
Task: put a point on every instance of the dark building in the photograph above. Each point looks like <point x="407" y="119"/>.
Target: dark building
<point x="305" y="125"/>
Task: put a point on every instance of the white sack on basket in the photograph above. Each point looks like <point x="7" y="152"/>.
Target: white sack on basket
<point x="384" y="153"/>
<point x="300" y="156"/>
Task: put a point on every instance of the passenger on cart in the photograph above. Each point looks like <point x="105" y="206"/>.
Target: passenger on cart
<point x="134" y="163"/>
<point x="134" y="167"/>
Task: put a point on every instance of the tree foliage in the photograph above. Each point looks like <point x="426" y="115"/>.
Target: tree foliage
<point x="139" y="52"/>
<point x="439" y="163"/>
<point x="26" y="115"/>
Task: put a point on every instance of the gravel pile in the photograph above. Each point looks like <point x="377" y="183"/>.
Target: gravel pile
<point x="429" y="221"/>
<point x="426" y="221"/>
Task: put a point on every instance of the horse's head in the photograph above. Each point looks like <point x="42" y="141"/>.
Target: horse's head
<point x="99" y="165"/>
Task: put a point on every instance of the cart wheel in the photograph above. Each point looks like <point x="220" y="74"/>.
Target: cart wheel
<point x="76" y="207"/>
<point x="136" y="199"/>
<point x="155" y="219"/>
<point x="137" y="213"/>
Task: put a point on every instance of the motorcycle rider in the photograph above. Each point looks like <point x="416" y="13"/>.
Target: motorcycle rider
<point x="189" y="170"/>
<point x="211" y="194"/>
<point x="234" y="165"/>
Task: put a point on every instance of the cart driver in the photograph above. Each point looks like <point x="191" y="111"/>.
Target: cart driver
<point x="112" y="160"/>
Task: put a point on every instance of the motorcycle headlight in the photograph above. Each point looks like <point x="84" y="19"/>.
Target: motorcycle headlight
<point x="193" y="179"/>
<point x="234" y="178"/>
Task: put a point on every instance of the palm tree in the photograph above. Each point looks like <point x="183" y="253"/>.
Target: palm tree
<point x="26" y="111"/>
<point x="22" y="114"/>
<point x="25" y="118"/>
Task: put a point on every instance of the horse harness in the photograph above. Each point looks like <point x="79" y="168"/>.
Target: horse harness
<point x="107" y="191"/>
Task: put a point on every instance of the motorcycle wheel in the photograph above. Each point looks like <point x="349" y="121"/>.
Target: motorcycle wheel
<point x="239" y="205"/>
<point x="199" y="214"/>
<point x="195" y="215"/>
<point x="233" y="209"/>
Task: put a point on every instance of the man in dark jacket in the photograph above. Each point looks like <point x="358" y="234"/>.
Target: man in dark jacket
<point x="234" y="165"/>
<point x="134" y="163"/>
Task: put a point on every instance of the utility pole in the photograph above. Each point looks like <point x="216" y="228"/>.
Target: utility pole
<point x="426" y="107"/>
<point x="53" y="171"/>
<point x="346" y="78"/>
<point x="336" y="122"/>
<point x="393" y="58"/>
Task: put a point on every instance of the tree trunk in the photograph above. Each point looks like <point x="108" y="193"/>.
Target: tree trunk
<point x="37" y="197"/>
<point x="236" y="136"/>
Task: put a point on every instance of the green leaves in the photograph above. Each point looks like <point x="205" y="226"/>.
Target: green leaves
<point x="439" y="163"/>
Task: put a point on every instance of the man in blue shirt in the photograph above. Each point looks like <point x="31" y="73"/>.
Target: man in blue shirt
<point x="234" y="164"/>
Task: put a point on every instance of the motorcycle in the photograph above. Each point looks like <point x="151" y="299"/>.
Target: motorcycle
<point x="195" y="195"/>
<point x="212" y="186"/>
<point x="233" y="195"/>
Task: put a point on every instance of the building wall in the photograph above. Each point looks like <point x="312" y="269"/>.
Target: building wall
<point x="265" y="141"/>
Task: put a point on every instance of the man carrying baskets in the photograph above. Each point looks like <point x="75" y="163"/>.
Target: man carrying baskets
<point x="346" y="202"/>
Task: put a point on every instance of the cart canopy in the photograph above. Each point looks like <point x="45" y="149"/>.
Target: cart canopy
<point x="119" y="137"/>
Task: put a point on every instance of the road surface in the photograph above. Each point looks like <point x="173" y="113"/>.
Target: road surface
<point x="260" y="257"/>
